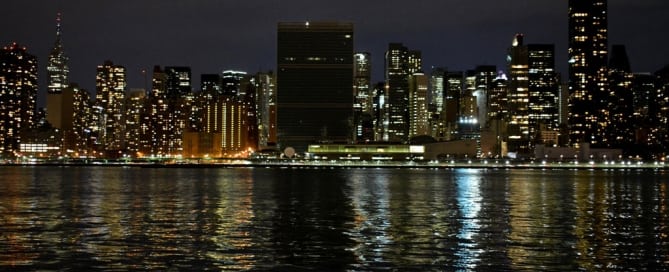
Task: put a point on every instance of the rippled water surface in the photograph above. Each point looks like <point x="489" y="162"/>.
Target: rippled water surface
<point x="108" y="218"/>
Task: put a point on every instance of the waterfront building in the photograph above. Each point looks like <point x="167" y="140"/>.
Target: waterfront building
<point x="110" y="85"/>
<point x="435" y="104"/>
<point x="498" y="114"/>
<point x="265" y="86"/>
<point x="484" y="79"/>
<point x="400" y="64"/>
<point x="518" y="96"/>
<point x="380" y="112"/>
<point x="75" y="117"/>
<point x="179" y="99"/>
<point x="362" y="92"/>
<point x="314" y="83"/>
<point x="454" y="89"/>
<point x="418" y="112"/>
<point x="157" y="134"/>
<point x="468" y="116"/>
<point x="18" y="92"/>
<point x="533" y="95"/>
<point x="226" y="116"/>
<point x="588" y="83"/>
<point x="621" y="131"/>
<point x="428" y="151"/>
<point x="646" y="110"/>
<point x="135" y="106"/>
<point x="662" y="87"/>
<point x="543" y="91"/>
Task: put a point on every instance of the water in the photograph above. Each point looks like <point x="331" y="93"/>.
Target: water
<point x="109" y="218"/>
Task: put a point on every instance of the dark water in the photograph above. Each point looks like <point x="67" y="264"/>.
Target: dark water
<point x="88" y="218"/>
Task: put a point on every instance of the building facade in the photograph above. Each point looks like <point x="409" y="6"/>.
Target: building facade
<point x="400" y="64"/>
<point x="110" y="84"/>
<point x="266" y="109"/>
<point x="418" y="106"/>
<point x="588" y="83"/>
<point x="18" y="92"/>
<point x="362" y="91"/>
<point x="314" y="83"/>
<point x="57" y="79"/>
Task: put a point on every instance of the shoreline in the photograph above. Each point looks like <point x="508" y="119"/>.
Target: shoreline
<point x="364" y="164"/>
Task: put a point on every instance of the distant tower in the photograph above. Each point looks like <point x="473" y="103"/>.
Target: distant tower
<point x="314" y="83"/>
<point x="621" y="130"/>
<point x="544" y="91"/>
<point x="401" y="63"/>
<point x="57" y="81"/>
<point x="435" y="104"/>
<point x="231" y="82"/>
<point x="362" y="105"/>
<point x="18" y="91"/>
<point x="57" y="69"/>
<point x="518" y="95"/>
<point x="588" y="84"/>
<point x="179" y="93"/>
<point x="110" y="85"/>
<point x="418" y="113"/>
<point x="379" y="109"/>
<point x="266" y="109"/>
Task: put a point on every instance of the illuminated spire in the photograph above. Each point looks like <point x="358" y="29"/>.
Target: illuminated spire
<point x="58" y="25"/>
<point x="57" y="69"/>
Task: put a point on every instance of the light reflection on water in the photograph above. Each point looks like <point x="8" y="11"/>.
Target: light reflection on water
<point x="343" y="219"/>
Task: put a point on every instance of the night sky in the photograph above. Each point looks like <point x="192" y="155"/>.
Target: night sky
<point x="215" y="35"/>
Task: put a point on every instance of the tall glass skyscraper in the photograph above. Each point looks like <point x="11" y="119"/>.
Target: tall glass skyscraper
<point x="400" y="64"/>
<point x="314" y="83"/>
<point x="588" y="84"/>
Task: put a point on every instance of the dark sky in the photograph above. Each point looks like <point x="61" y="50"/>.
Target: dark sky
<point x="215" y="35"/>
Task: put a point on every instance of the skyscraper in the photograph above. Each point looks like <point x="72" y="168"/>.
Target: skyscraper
<point x="266" y="108"/>
<point x="18" y="91"/>
<point x="544" y="91"/>
<point x="314" y="83"/>
<point x="57" y="69"/>
<point x="156" y="136"/>
<point x="135" y="103"/>
<point x="588" y="84"/>
<point x="621" y="131"/>
<point x="435" y="105"/>
<point x="57" y="80"/>
<point x="362" y="105"/>
<point x="400" y="64"/>
<point x="418" y="113"/>
<point x="518" y="97"/>
<point x="178" y="81"/>
<point x="180" y="97"/>
<point x="533" y="93"/>
<point x="380" y="111"/>
<point x="231" y="82"/>
<point x="110" y="85"/>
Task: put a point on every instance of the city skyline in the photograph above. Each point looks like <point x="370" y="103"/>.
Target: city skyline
<point x="471" y="36"/>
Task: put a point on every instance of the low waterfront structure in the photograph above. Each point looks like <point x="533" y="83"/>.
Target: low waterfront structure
<point x="394" y="152"/>
<point x="584" y="152"/>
